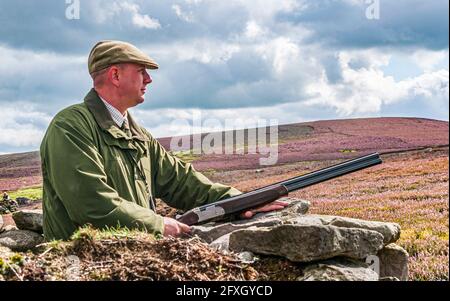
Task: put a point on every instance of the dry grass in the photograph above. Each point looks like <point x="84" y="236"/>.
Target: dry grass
<point x="129" y="255"/>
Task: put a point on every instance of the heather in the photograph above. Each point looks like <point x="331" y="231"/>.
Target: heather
<point x="408" y="188"/>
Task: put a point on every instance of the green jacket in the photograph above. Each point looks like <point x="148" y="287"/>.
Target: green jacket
<point x="94" y="174"/>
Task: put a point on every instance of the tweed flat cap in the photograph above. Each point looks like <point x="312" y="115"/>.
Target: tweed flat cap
<point x="107" y="53"/>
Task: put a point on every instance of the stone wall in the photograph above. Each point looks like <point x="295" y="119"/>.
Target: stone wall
<point x="330" y="247"/>
<point x="333" y="247"/>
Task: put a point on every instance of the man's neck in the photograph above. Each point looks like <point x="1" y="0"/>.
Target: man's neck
<point x="114" y="101"/>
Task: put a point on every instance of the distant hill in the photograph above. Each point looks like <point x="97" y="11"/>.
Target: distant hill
<point x="318" y="140"/>
<point x="335" y="139"/>
<point x="20" y="170"/>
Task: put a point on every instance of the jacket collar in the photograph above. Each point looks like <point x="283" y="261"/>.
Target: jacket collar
<point x="105" y="121"/>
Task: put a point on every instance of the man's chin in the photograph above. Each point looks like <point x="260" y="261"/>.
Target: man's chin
<point x="137" y="101"/>
<point x="140" y="99"/>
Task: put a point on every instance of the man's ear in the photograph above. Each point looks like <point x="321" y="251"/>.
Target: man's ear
<point x="113" y="75"/>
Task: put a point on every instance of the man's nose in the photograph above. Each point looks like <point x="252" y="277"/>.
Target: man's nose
<point x="147" y="78"/>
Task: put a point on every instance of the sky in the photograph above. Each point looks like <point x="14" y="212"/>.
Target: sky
<point x="280" y="60"/>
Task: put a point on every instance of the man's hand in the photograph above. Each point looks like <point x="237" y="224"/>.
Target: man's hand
<point x="173" y="227"/>
<point x="276" y="205"/>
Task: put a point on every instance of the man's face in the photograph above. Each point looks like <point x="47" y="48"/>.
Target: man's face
<point x="133" y="81"/>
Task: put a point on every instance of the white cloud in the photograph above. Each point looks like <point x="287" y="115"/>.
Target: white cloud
<point x="138" y="19"/>
<point x="428" y="60"/>
<point x="13" y="62"/>
<point x="187" y="17"/>
<point x="145" y="21"/>
<point x="284" y="53"/>
<point x="47" y="79"/>
<point x="367" y="89"/>
<point x="105" y="11"/>
<point x="24" y="127"/>
<point x="429" y="84"/>
<point x="253" y="30"/>
<point x="263" y="58"/>
<point x="193" y="1"/>
<point x="206" y="51"/>
<point x="297" y="74"/>
<point x="261" y="10"/>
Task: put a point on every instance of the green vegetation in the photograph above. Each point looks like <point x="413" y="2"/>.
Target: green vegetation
<point x="90" y="233"/>
<point x="209" y="172"/>
<point x="6" y="265"/>
<point x="186" y="156"/>
<point x="17" y="259"/>
<point x="2" y="266"/>
<point x="32" y="193"/>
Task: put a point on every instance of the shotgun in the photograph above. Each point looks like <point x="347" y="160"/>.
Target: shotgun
<point x="268" y="194"/>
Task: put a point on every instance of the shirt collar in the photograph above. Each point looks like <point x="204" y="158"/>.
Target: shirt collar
<point x="117" y="117"/>
<point x="103" y="118"/>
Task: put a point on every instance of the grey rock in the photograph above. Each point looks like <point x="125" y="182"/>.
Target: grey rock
<point x="21" y="240"/>
<point x="338" y="270"/>
<point x="393" y="262"/>
<point x="5" y="252"/>
<point x="212" y="231"/>
<point x="1" y="224"/>
<point x="23" y="201"/>
<point x="305" y="243"/>
<point x="295" y="208"/>
<point x="246" y="257"/>
<point x="221" y="244"/>
<point x="29" y="220"/>
<point x="390" y="231"/>
<point x="8" y="228"/>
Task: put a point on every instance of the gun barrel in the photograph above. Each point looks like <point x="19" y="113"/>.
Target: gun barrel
<point x="331" y="172"/>
<point x="272" y="192"/>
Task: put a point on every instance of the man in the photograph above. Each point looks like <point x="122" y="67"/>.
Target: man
<point x="101" y="168"/>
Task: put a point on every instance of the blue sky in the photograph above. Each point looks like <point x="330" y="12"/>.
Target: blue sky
<point x="288" y="60"/>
